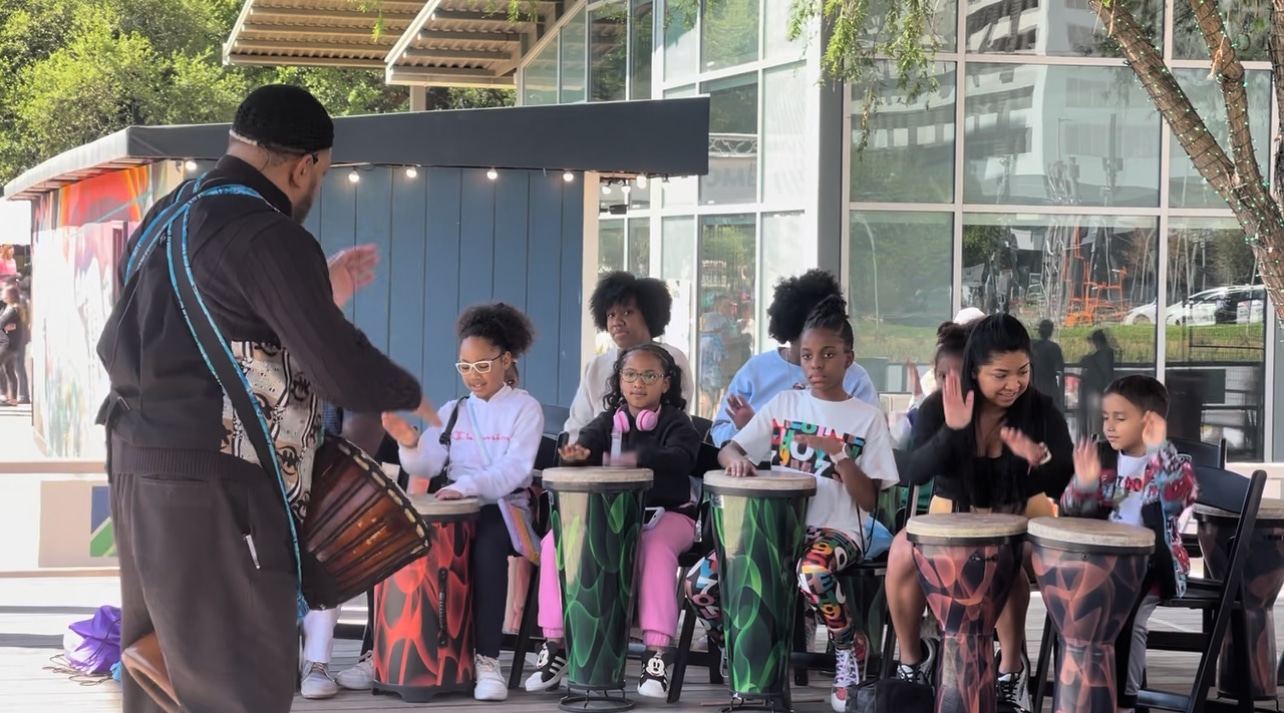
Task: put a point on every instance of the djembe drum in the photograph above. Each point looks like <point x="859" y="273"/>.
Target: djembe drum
<point x="1090" y="574"/>
<point x="968" y="564"/>
<point x="759" y="526"/>
<point x="423" y="637"/>
<point x="1263" y="575"/>
<point x="597" y="518"/>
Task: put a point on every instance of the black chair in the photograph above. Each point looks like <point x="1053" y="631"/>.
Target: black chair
<point x="1220" y="600"/>
<point x="707" y="460"/>
<point x="1202" y="453"/>
<point x="555" y="418"/>
<point x="702" y="426"/>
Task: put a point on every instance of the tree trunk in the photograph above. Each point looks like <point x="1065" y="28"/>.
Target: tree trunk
<point x="1257" y="213"/>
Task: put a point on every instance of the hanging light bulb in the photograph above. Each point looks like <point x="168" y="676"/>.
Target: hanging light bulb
<point x="492" y="174"/>
<point x="353" y="176"/>
<point x="641" y="181"/>
<point x="626" y="189"/>
<point x="568" y="176"/>
<point x="606" y="189"/>
<point x="189" y="165"/>
<point x="411" y="172"/>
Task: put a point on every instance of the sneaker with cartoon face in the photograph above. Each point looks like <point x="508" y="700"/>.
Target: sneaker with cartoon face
<point x="656" y="674"/>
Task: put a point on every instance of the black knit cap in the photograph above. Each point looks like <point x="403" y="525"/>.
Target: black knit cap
<point x="284" y="118"/>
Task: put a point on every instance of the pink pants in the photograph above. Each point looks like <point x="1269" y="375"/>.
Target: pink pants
<point x="657" y="595"/>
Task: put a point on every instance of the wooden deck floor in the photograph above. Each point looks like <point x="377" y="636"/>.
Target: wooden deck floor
<point x="34" y="613"/>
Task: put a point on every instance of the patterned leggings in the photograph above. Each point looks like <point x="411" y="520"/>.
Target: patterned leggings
<point x="828" y="553"/>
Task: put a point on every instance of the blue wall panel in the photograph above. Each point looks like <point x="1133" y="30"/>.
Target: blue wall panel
<point x="450" y="238"/>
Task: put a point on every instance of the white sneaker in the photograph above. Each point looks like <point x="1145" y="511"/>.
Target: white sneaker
<point x="317" y="682"/>
<point x="360" y="677"/>
<point x="491" y="685"/>
<point x="1014" y="688"/>
<point x="846" y="675"/>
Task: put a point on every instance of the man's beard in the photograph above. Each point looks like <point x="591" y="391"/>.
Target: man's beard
<point x="303" y="205"/>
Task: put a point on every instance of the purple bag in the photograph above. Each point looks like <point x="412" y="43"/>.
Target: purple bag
<point x="93" y="645"/>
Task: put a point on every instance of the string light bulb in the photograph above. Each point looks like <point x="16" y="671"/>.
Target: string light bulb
<point x="353" y="176"/>
<point x="606" y="189"/>
<point x="189" y="165"/>
<point x="568" y="176"/>
<point x="641" y="180"/>
<point x="492" y="174"/>
<point x="411" y="172"/>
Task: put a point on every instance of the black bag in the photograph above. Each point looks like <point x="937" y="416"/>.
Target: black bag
<point x="892" y="695"/>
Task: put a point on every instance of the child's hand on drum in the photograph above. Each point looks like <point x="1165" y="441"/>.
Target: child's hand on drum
<point x="574" y="453"/>
<point x="742" y="468"/>
<point x="1154" y="430"/>
<point x="958" y="410"/>
<point x="1087" y="465"/>
<point x="401" y="431"/>
<point x="739" y="410"/>
<point x="448" y="494"/>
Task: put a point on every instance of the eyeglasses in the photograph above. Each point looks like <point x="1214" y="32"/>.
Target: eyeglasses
<point x="481" y="367"/>
<point x="629" y="376"/>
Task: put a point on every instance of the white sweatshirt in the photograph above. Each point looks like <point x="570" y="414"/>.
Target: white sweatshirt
<point x="511" y="423"/>
<point x="592" y="391"/>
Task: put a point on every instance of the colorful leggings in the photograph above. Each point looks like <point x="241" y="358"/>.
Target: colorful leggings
<point x="828" y="553"/>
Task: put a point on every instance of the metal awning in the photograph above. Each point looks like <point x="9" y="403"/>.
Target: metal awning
<point x="318" y="33"/>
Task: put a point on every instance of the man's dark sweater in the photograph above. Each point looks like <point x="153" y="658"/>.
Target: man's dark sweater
<point x="266" y="283"/>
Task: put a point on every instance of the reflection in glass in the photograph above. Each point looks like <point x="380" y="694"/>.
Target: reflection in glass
<point x="729" y="34"/>
<point x="677" y="269"/>
<point x="786" y="251"/>
<point x="539" y="78"/>
<point x="1052" y="28"/>
<point x="609" y="51"/>
<point x="574" y="58"/>
<point x="680" y="58"/>
<point x="1093" y="277"/>
<point x="900" y="271"/>
<point x="945" y="15"/>
<point x="610" y="245"/>
<point x="1186" y="188"/>
<point x="1059" y="135"/>
<point x="639" y="248"/>
<point x="733" y="141"/>
<point x="727" y="293"/>
<point x="640" y="45"/>
<point x="784" y="149"/>
<point x="909" y="157"/>
<point x="1247" y="23"/>
<point x="1216" y="336"/>
<point x="776" y="33"/>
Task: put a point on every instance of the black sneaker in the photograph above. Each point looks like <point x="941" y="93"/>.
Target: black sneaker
<point x="920" y="672"/>
<point x="654" y="682"/>
<point x="550" y="669"/>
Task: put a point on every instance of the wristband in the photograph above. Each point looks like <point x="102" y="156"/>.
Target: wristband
<point x="840" y="456"/>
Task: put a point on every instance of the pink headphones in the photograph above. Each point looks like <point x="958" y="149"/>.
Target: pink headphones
<point x="647" y="419"/>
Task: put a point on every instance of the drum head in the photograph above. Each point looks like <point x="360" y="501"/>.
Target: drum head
<point x="765" y="483"/>
<point x="431" y="508"/>
<point x="1085" y="534"/>
<point x="1270" y="509"/>
<point x="965" y="526"/>
<point x="597" y="479"/>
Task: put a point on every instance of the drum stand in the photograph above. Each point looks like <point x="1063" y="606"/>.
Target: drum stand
<point x="776" y="703"/>
<point x="595" y="700"/>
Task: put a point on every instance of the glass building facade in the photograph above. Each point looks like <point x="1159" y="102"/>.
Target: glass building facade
<point x="1036" y="178"/>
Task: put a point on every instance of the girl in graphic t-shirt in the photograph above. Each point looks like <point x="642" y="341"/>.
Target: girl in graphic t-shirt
<point x="844" y="443"/>
<point x="489" y="455"/>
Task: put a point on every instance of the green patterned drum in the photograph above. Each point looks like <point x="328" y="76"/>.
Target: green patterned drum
<point x="597" y="523"/>
<point x="759" y="526"/>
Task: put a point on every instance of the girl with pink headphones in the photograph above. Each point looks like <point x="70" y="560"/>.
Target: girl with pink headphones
<point x="645" y="425"/>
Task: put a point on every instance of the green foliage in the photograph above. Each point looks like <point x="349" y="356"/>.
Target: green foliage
<point x="73" y="71"/>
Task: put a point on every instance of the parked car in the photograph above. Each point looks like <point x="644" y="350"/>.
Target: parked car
<point x="1235" y="304"/>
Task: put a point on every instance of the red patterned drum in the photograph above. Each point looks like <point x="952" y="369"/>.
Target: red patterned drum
<point x="1263" y="575"/>
<point x="423" y="637"/>
<point x="968" y="564"/>
<point x="1090" y="574"/>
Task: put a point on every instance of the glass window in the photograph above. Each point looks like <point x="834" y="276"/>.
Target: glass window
<point x="945" y="15"/>
<point x="639" y="249"/>
<point x="1059" y="135"/>
<point x="909" y="157"/>
<point x="679" y="190"/>
<point x="787" y="250"/>
<point x="640" y="193"/>
<point x="1216" y="336"/>
<point x="1186" y="188"/>
<point x="1052" y="28"/>
<point x="681" y="60"/>
<point x="784" y="130"/>
<point x="574" y="58"/>
<point x="609" y="51"/>
<point x="677" y="269"/>
<point x="729" y="34"/>
<point x="610" y="245"/>
<point x="1092" y="278"/>
<point x="733" y="141"/>
<point x="1247" y="23"/>
<point x="728" y="252"/>
<point x="539" y="78"/>
<point x="777" y="44"/>
<point x="900" y="272"/>
<point x="640" y="46"/>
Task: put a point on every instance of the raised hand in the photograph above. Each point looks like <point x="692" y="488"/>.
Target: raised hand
<point x="1087" y="465"/>
<point x="741" y="469"/>
<point x="574" y="453"/>
<point x="916" y="381"/>
<point x="825" y="444"/>
<point x="958" y="409"/>
<point x="352" y="269"/>
<point x="1022" y="446"/>
<point x="739" y="410"/>
<point x="1154" y="430"/>
<point x="401" y="431"/>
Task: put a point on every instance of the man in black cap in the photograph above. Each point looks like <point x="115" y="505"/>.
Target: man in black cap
<point x="206" y="558"/>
